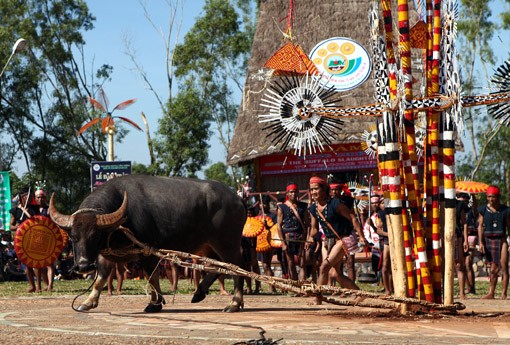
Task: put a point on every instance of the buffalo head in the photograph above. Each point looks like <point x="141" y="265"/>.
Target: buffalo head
<point x="87" y="229"/>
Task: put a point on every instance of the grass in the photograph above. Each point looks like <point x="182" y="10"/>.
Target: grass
<point x="185" y="286"/>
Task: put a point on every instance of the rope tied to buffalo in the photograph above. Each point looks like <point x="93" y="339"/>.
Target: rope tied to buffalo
<point x="305" y="288"/>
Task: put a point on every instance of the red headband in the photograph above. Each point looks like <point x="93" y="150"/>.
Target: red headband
<point x="335" y="186"/>
<point x="291" y="187"/>
<point x="492" y="190"/>
<point x="317" y="179"/>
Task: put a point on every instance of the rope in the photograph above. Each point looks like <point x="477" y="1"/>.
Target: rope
<point x="306" y="288"/>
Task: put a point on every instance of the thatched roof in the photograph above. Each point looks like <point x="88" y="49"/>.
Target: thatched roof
<point x="314" y="22"/>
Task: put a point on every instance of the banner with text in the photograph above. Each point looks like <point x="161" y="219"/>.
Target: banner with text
<point x="342" y="157"/>
<point x="5" y="200"/>
<point x="100" y="172"/>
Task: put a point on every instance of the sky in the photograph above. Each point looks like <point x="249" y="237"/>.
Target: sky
<point x="117" y="20"/>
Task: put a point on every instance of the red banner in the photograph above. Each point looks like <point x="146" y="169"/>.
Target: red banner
<point x="343" y="157"/>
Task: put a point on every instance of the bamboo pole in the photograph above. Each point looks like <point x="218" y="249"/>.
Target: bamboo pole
<point x="408" y="147"/>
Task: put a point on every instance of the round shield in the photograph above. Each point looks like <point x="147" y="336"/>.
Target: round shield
<point x="263" y="240"/>
<point x="38" y="242"/>
<point x="253" y="227"/>
<point x="276" y="241"/>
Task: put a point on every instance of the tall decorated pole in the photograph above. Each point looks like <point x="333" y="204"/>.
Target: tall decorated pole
<point x="450" y="120"/>
<point x="408" y="147"/>
<point x="393" y="200"/>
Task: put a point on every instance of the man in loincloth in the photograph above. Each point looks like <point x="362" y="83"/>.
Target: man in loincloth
<point x="292" y="220"/>
<point x="493" y="229"/>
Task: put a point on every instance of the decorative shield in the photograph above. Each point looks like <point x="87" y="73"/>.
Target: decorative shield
<point x="253" y="227"/>
<point x="263" y="242"/>
<point x="471" y="187"/>
<point x="38" y="242"/>
<point x="276" y="241"/>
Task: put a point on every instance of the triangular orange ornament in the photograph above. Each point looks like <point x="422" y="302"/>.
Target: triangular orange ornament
<point x="291" y="59"/>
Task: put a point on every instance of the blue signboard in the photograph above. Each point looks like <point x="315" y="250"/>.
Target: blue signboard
<point x="100" y="172"/>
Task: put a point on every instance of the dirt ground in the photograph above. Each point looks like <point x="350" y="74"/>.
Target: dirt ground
<point x="283" y="318"/>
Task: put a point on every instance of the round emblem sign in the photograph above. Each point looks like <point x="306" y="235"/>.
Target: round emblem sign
<point x="343" y="63"/>
<point x="38" y="242"/>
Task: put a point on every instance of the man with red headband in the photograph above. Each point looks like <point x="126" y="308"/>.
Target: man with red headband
<point x="292" y="220"/>
<point x="337" y="221"/>
<point x="493" y="229"/>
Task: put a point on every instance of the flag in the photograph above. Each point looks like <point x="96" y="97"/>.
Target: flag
<point x="5" y="200"/>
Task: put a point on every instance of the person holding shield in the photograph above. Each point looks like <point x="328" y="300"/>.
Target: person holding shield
<point x="25" y="209"/>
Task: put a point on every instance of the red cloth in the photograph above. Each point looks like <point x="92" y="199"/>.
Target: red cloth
<point x="492" y="190"/>
<point x="335" y="186"/>
<point x="291" y="187"/>
<point x="317" y="179"/>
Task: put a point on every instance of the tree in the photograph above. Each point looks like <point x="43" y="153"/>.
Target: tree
<point x="488" y="162"/>
<point x="181" y="144"/>
<point x="44" y="94"/>
<point x="218" y="172"/>
<point x="215" y="53"/>
<point x="208" y="61"/>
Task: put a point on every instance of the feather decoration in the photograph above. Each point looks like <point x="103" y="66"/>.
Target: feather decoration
<point x="124" y="104"/>
<point x="107" y="122"/>
<point x="501" y="79"/>
<point x="88" y="124"/>
<point x="96" y="104"/>
<point x="103" y="98"/>
<point x="132" y="123"/>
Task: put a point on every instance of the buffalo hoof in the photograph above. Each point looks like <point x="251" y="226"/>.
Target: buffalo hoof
<point x="198" y="297"/>
<point x="153" y="308"/>
<point x="84" y="307"/>
<point x="232" y="308"/>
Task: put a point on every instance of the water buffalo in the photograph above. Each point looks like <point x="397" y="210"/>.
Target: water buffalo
<point x="190" y="215"/>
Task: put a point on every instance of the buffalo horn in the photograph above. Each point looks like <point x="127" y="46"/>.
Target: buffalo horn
<point x="62" y="220"/>
<point x="114" y="218"/>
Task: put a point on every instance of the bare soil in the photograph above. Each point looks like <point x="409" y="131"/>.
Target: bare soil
<point x="279" y="319"/>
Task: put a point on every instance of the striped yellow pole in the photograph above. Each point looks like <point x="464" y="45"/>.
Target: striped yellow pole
<point x="408" y="148"/>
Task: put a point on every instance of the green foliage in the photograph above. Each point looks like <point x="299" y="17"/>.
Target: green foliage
<point x="218" y="172"/>
<point x="43" y="95"/>
<point x="181" y="145"/>
<point x="214" y="55"/>
<point x="488" y="162"/>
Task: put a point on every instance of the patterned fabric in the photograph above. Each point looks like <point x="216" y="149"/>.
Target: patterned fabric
<point x="419" y="35"/>
<point x="493" y="249"/>
<point x="291" y="59"/>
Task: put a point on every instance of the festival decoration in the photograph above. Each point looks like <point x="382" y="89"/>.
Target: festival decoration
<point x="38" y="242"/>
<point x="303" y="117"/>
<point x="253" y="227"/>
<point x="471" y="187"/>
<point x="501" y="79"/>
<point x="291" y="59"/>
<point x="276" y="241"/>
<point x="342" y="63"/>
<point x="108" y="122"/>
<point x="263" y="242"/>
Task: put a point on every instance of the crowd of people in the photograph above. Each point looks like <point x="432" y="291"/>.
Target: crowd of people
<point x="319" y="240"/>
